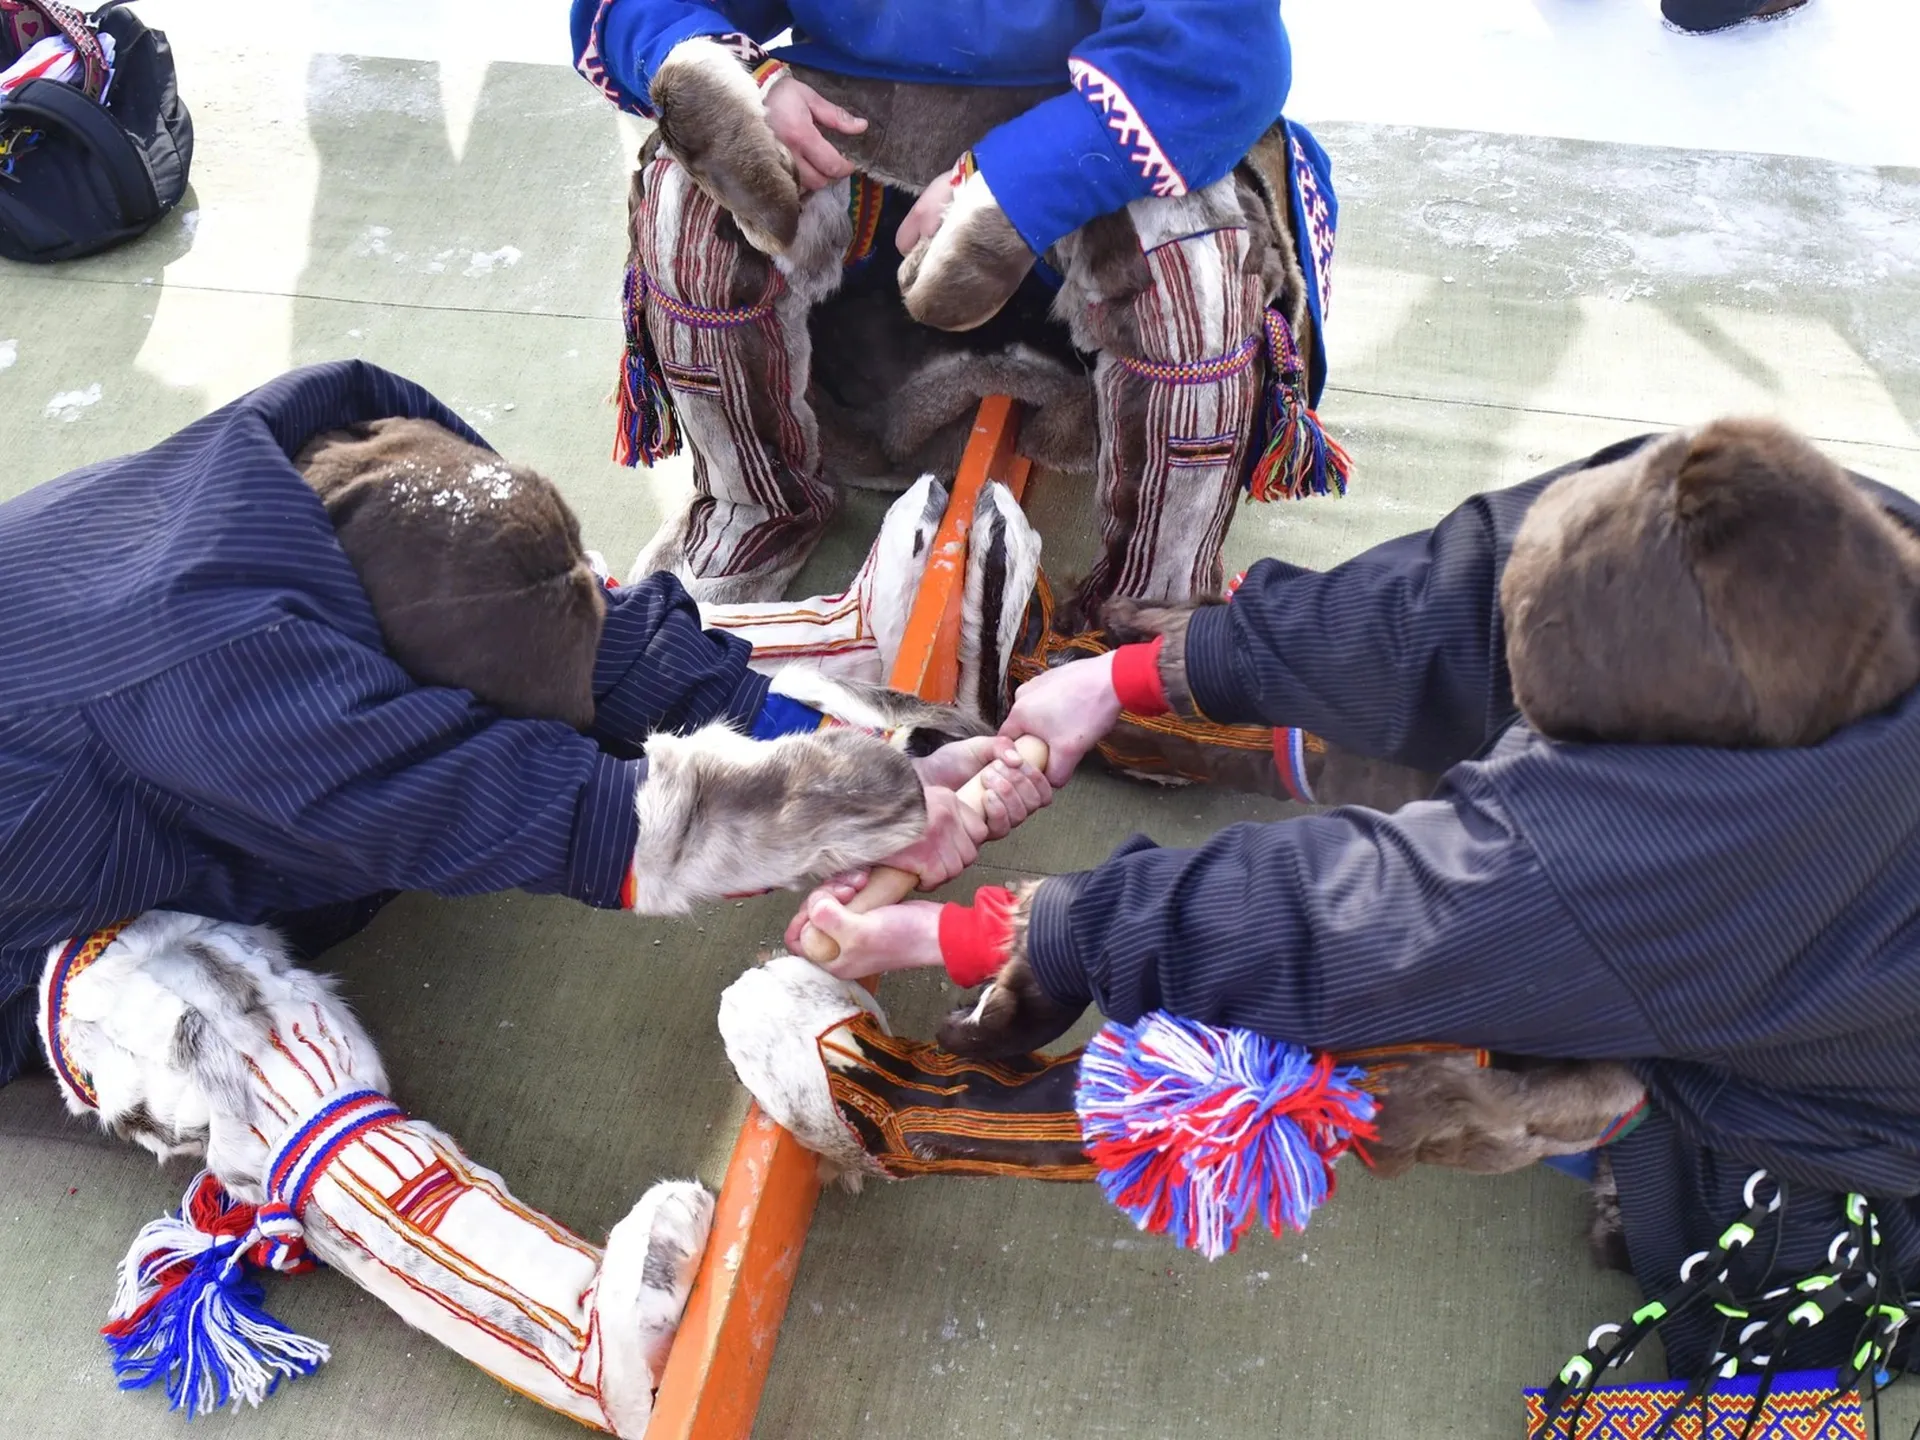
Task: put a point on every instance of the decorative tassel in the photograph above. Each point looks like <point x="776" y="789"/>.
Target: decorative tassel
<point x="646" y="431"/>
<point x="1297" y="458"/>
<point x="187" y="1312"/>
<point x="1197" y="1131"/>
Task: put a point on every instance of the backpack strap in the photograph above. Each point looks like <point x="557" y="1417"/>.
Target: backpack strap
<point x="51" y="103"/>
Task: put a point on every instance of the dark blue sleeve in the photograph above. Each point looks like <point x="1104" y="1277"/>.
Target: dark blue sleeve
<point x="658" y="670"/>
<point x="1342" y="930"/>
<point x="314" y="754"/>
<point x="1400" y="653"/>
<point x="618" y="44"/>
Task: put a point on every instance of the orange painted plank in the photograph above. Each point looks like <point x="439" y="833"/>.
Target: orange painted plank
<point x="711" y="1389"/>
<point x="929" y="660"/>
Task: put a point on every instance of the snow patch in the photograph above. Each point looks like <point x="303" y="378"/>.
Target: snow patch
<point x="485" y="262"/>
<point x="68" y="404"/>
<point x="9" y="352"/>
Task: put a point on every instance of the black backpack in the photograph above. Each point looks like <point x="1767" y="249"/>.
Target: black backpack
<point x="77" y="176"/>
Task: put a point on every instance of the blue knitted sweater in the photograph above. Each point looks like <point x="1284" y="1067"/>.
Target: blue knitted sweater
<point x="1159" y="97"/>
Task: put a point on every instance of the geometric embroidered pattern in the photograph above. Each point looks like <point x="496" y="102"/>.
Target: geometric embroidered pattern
<point x="1801" y="1407"/>
<point x="75" y="960"/>
<point x="591" y="66"/>
<point x="424" y="1200"/>
<point x="1194" y="372"/>
<point x="1319" y="225"/>
<point x="1103" y="92"/>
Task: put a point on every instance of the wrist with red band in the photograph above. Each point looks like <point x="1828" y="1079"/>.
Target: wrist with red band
<point x="975" y="939"/>
<point x="1136" y="678"/>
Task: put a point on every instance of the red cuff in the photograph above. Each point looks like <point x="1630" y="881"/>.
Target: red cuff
<point x="975" y="939"/>
<point x="1136" y="678"/>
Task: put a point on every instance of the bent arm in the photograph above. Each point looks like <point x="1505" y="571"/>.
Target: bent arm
<point x="302" y="748"/>
<point x="1167" y="99"/>
<point x="619" y="44"/>
<point x="657" y="669"/>
<point x="1341" y="931"/>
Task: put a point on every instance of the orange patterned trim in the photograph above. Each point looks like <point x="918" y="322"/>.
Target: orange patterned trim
<point x="74" y="962"/>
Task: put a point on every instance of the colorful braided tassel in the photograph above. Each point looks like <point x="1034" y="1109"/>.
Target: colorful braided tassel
<point x="1297" y="457"/>
<point x="187" y="1312"/>
<point x="1198" y="1131"/>
<point x="647" y="430"/>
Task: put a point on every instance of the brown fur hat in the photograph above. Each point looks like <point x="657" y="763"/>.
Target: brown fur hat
<point x="1726" y="586"/>
<point x="474" y="566"/>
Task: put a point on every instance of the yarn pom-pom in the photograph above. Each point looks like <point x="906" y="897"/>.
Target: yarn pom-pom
<point x="1198" y="1131"/>
<point x="187" y="1313"/>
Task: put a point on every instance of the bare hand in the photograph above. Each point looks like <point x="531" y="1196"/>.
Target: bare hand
<point x="1011" y="789"/>
<point x="1071" y="707"/>
<point x="795" y="113"/>
<point x="895" y="937"/>
<point x="928" y="211"/>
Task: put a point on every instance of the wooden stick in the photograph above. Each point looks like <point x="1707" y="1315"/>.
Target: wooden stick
<point x="711" y="1389"/>
<point x="888" y="886"/>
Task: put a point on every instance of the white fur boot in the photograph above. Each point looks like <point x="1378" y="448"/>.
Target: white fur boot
<point x="191" y="1036"/>
<point x="856" y="634"/>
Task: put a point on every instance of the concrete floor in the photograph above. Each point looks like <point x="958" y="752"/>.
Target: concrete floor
<point x="1504" y="302"/>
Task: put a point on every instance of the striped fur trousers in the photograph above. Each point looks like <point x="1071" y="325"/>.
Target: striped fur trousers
<point x="1168" y="294"/>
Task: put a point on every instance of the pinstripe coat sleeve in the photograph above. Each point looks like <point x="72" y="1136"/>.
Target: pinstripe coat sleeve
<point x="1345" y="929"/>
<point x="311" y="753"/>
<point x="658" y="670"/>
<point x="1398" y="653"/>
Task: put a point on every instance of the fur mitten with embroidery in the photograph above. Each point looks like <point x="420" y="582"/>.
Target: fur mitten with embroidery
<point x="711" y="121"/>
<point x="197" y="1037"/>
<point x="959" y="277"/>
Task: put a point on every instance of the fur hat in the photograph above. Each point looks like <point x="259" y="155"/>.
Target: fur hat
<point x="474" y="566"/>
<point x="1726" y="586"/>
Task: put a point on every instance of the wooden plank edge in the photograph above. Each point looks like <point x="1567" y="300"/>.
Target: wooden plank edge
<point x="724" y="1349"/>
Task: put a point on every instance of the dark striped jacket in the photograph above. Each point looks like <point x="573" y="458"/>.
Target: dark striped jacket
<point x="196" y="712"/>
<point x="1742" y="925"/>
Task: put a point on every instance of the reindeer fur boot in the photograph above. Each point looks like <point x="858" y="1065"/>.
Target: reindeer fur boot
<point x="819" y="1057"/>
<point x="195" y="1037"/>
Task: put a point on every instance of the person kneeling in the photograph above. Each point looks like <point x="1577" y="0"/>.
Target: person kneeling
<point x="1670" y="693"/>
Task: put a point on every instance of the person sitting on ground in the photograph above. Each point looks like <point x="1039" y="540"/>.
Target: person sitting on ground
<point x="323" y="646"/>
<point x="1670" y="693"/>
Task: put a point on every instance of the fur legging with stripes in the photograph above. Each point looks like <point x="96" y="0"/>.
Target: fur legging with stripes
<point x="1168" y="296"/>
<point x="197" y="1037"/>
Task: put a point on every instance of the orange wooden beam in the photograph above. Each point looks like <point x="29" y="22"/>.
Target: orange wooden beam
<point x="711" y="1389"/>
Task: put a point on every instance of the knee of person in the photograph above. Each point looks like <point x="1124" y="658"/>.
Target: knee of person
<point x="474" y="566"/>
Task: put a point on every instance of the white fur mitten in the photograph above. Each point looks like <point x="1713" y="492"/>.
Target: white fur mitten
<point x="191" y="1036"/>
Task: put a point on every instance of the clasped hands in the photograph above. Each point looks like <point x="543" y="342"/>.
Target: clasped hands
<point x="1070" y="708"/>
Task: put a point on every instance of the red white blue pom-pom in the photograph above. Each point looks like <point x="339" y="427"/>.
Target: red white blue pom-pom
<point x="187" y="1312"/>
<point x="1198" y="1131"/>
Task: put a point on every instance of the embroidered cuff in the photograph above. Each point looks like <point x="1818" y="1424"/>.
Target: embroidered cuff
<point x="769" y="73"/>
<point x="744" y="49"/>
<point x="975" y="939"/>
<point x="1290" y="759"/>
<point x="1136" y="678"/>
